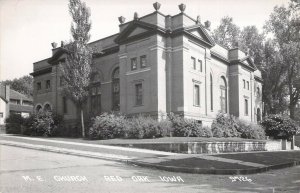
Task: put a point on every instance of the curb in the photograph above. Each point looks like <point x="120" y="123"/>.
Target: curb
<point x="214" y="171"/>
<point x="158" y="166"/>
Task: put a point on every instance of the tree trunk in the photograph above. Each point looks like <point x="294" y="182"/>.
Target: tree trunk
<point x="292" y="111"/>
<point x="82" y="123"/>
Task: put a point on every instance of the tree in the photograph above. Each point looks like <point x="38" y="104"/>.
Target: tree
<point x="23" y="85"/>
<point x="252" y="42"/>
<point x="227" y="33"/>
<point x="286" y="36"/>
<point x="273" y="74"/>
<point x="77" y="68"/>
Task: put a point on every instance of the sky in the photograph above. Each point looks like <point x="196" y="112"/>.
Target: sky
<point x="28" y="27"/>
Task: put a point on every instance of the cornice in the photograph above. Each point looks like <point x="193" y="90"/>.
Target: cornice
<point x="41" y="72"/>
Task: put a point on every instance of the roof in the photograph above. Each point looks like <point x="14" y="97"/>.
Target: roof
<point x="13" y="94"/>
<point x="18" y="96"/>
<point x="167" y="25"/>
<point x="3" y="93"/>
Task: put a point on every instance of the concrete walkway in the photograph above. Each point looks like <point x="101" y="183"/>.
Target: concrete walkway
<point x="193" y="163"/>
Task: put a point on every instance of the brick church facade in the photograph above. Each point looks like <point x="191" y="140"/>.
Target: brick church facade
<point x="158" y="64"/>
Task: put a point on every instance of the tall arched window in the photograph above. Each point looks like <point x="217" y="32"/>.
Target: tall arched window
<point x="47" y="108"/>
<point x="95" y="94"/>
<point x="38" y="108"/>
<point x="116" y="90"/>
<point x="223" y="95"/>
<point x="211" y="94"/>
<point x="258" y="114"/>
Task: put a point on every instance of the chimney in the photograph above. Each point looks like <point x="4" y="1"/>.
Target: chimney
<point x="207" y="24"/>
<point x="121" y="19"/>
<point x="198" y="21"/>
<point x="7" y="92"/>
<point x="136" y="16"/>
<point x="182" y="7"/>
<point x="54" y="45"/>
<point x="156" y="6"/>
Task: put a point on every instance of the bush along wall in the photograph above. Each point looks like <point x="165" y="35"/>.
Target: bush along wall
<point x="230" y="126"/>
<point x="109" y="126"/>
<point x="39" y="124"/>
<point x="14" y="123"/>
<point x="280" y="126"/>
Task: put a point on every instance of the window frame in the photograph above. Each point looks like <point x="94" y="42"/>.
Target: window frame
<point x="196" y="90"/>
<point x="39" y="85"/>
<point x="132" y="64"/>
<point x="246" y="106"/>
<point x="138" y="94"/>
<point x="116" y="93"/>
<point x="224" y="99"/>
<point x="145" y="59"/>
<point x="194" y="64"/>
<point x="95" y="97"/>
<point x="48" y="84"/>
<point x="200" y="65"/>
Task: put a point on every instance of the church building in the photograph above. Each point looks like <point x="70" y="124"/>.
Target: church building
<point x="155" y="65"/>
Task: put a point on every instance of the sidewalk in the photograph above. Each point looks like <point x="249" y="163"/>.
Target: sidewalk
<point x="234" y="163"/>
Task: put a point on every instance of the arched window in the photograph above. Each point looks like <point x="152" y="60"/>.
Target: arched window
<point x="223" y="95"/>
<point x="47" y="108"/>
<point x="38" y="108"/>
<point x="116" y="90"/>
<point x="258" y="92"/>
<point x="258" y="114"/>
<point x="95" y="94"/>
<point x="211" y="94"/>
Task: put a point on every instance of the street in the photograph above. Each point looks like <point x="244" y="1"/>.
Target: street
<point x="25" y="170"/>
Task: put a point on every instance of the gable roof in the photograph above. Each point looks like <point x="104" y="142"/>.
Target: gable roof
<point x="18" y="96"/>
<point x="12" y="95"/>
<point x="246" y="62"/>
<point x="145" y="29"/>
<point x="3" y="93"/>
<point x="202" y="33"/>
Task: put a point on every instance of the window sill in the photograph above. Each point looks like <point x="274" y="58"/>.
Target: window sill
<point x="138" y="105"/>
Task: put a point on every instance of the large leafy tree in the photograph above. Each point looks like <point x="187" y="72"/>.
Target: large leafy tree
<point x="287" y="37"/>
<point x="252" y="42"/>
<point x="23" y="85"/>
<point x="227" y="33"/>
<point x="274" y="85"/>
<point x="77" y="68"/>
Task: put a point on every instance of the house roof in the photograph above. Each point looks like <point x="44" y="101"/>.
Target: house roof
<point x="13" y="94"/>
<point x="18" y="96"/>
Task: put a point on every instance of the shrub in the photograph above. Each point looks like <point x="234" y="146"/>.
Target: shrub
<point x="43" y="124"/>
<point x="27" y="126"/>
<point x="250" y="130"/>
<point x="147" y="127"/>
<point x="14" y="123"/>
<point x="188" y="127"/>
<point x="107" y="126"/>
<point x="165" y="127"/>
<point x="225" y="126"/>
<point x="280" y="127"/>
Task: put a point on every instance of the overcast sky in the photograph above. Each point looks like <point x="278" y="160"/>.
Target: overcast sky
<point x="27" y="27"/>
